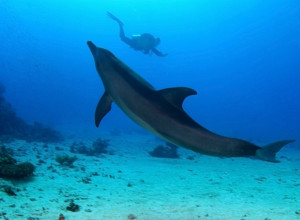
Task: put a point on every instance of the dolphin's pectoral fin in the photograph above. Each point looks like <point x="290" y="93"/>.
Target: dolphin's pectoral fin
<point x="269" y="151"/>
<point x="176" y="95"/>
<point x="103" y="107"/>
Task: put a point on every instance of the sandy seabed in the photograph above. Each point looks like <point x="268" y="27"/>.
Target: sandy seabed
<point x="131" y="183"/>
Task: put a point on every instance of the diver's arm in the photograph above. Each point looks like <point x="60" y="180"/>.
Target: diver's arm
<point x="158" y="53"/>
<point x="122" y="33"/>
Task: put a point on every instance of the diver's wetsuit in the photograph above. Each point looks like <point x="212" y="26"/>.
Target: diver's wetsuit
<point x="145" y="42"/>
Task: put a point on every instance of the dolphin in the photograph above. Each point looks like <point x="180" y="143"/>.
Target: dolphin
<point x="161" y="112"/>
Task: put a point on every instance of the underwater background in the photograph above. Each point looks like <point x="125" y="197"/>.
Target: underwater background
<point x="242" y="57"/>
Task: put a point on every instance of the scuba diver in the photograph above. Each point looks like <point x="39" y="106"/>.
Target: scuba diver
<point x="144" y="42"/>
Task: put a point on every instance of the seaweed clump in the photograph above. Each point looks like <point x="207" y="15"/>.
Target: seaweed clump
<point x="65" y="160"/>
<point x="99" y="147"/>
<point x="9" y="167"/>
<point x="13" y="127"/>
<point x="168" y="151"/>
<point x="78" y="148"/>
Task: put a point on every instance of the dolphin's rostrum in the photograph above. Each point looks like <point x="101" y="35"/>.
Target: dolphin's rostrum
<point x="161" y="112"/>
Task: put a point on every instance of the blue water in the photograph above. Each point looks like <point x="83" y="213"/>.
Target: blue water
<point x="242" y="57"/>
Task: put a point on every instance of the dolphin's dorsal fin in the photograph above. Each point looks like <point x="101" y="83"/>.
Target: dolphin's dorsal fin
<point x="176" y="95"/>
<point x="103" y="107"/>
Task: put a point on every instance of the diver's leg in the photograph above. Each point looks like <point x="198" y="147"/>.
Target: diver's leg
<point x="114" y="18"/>
<point x="122" y="33"/>
<point x="123" y="37"/>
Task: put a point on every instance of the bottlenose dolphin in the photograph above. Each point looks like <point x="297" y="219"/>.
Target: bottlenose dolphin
<point x="161" y="112"/>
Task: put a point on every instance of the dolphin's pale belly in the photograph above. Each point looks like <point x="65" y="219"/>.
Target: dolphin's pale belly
<point x="123" y="105"/>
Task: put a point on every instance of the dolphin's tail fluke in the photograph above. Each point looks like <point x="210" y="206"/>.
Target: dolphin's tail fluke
<point x="268" y="152"/>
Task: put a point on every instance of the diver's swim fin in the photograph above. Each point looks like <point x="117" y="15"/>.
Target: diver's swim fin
<point x="114" y="18"/>
<point x="269" y="151"/>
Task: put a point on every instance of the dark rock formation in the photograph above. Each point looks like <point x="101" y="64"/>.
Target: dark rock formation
<point x="10" y="169"/>
<point x="8" y="190"/>
<point x="17" y="171"/>
<point x="73" y="207"/>
<point x="99" y="147"/>
<point x="168" y="151"/>
<point x="65" y="160"/>
<point x="12" y="127"/>
<point x="61" y="217"/>
<point x="131" y="216"/>
<point x="79" y="148"/>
